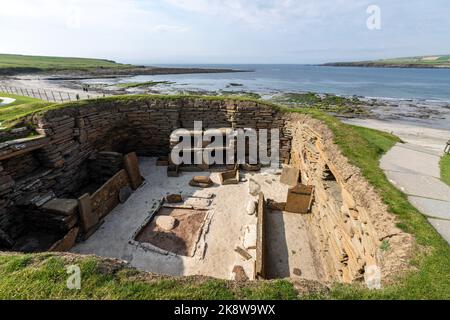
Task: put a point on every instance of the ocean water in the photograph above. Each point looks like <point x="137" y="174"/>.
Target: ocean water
<point x="422" y="84"/>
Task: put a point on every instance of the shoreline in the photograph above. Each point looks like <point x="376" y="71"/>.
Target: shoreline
<point x="383" y="66"/>
<point x="414" y="112"/>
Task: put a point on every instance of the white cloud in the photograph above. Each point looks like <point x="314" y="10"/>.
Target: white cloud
<point x="270" y="12"/>
<point x="163" y="28"/>
<point x="126" y="15"/>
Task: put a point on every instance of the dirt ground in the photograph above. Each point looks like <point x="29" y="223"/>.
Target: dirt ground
<point x="183" y="238"/>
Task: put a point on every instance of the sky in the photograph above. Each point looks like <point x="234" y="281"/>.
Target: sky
<point x="225" y="31"/>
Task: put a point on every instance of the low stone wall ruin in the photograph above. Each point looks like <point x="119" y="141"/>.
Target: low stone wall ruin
<point x="58" y="162"/>
<point x="348" y="220"/>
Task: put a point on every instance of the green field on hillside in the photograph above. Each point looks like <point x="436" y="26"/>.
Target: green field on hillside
<point x="436" y="61"/>
<point x="432" y="60"/>
<point x="12" y="62"/>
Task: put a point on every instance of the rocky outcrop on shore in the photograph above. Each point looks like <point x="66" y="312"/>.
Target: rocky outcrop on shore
<point x="110" y="72"/>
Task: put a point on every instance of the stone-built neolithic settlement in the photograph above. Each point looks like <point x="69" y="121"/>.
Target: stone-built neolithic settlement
<point x="96" y="178"/>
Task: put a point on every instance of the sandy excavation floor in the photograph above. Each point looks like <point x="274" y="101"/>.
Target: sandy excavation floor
<point x="215" y="255"/>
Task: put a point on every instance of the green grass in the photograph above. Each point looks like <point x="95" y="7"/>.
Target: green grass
<point x="19" y="99"/>
<point x="19" y="108"/>
<point x="430" y="60"/>
<point x="10" y="63"/>
<point x="142" y="84"/>
<point x="426" y="61"/>
<point x="42" y="276"/>
<point x="327" y="103"/>
<point x="445" y="169"/>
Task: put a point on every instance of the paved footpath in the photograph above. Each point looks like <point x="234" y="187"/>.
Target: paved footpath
<point x="415" y="171"/>
<point x="413" y="167"/>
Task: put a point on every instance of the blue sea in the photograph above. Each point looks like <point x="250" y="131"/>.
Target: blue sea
<point x="422" y="84"/>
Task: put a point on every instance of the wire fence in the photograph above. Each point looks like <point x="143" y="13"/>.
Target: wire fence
<point x="47" y="95"/>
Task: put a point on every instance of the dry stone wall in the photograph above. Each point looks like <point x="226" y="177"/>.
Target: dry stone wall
<point x="56" y="163"/>
<point x="348" y="221"/>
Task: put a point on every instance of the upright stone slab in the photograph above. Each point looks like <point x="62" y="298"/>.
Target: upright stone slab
<point x="260" y="268"/>
<point x="132" y="167"/>
<point x="299" y="199"/>
<point x="66" y="243"/>
<point x="289" y="176"/>
<point x="88" y="218"/>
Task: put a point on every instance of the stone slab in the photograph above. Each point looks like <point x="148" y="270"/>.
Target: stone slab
<point x="432" y="208"/>
<point x="64" y="207"/>
<point x="408" y="160"/>
<point x="290" y="176"/>
<point x="421" y="186"/>
<point x="66" y="243"/>
<point x="299" y="199"/>
<point x="88" y="218"/>
<point x="132" y="167"/>
<point x="443" y="227"/>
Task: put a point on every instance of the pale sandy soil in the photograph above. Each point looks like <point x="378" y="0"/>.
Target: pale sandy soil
<point x="215" y="255"/>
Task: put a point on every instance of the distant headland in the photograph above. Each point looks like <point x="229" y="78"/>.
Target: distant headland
<point x="436" y="61"/>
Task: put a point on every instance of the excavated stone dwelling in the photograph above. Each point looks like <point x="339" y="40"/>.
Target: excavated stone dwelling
<point x="79" y="186"/>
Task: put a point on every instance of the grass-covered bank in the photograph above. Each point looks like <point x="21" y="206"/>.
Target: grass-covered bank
<point x="445" y="169"/>
<point x="364" y="148"/>
<point x="19" y="108"/>
<point x="43" y="276"/>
